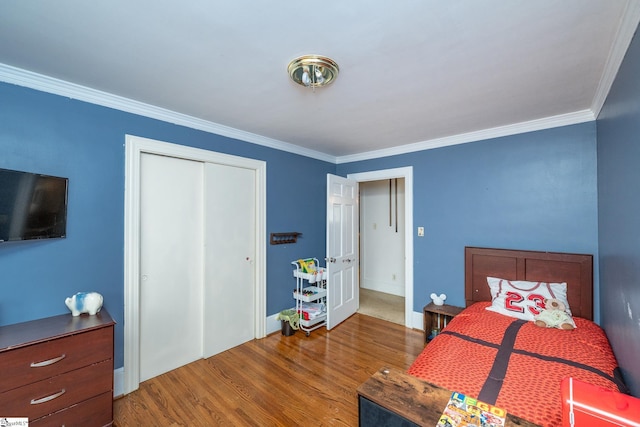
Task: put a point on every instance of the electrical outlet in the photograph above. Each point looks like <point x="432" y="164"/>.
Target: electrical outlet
<point x="420" y="231"/>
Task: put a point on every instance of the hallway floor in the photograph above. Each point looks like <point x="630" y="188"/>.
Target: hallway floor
<point x="382" y="306"/>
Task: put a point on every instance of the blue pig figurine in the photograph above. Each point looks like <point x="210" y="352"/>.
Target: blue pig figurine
<point x="84" y="302"/>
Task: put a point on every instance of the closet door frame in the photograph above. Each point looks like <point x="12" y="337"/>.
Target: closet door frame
<point x="134" y="147"/>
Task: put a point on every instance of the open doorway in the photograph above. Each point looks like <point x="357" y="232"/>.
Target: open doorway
<point x="382" y="233"/>
<point x="405" y="209"/>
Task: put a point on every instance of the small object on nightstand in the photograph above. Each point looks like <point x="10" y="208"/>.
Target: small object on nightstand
<point x="438" y="299"/>
<point x="436" y="318"/>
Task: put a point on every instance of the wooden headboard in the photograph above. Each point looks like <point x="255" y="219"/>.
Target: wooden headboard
<point x="574" y="269"/>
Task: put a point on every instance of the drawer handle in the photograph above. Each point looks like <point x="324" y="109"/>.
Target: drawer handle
<point x="47" y="362"/>
<point x="48" y="398"/>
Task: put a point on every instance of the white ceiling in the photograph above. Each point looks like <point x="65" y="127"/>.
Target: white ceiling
<point x="413" y="74"/>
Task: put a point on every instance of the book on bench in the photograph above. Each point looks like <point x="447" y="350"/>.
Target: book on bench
<point x="464" y="410"/>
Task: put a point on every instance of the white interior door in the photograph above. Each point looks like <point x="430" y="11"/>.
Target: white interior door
<point x="230" y="230"/>
<point x="171" y="260"/>
<point x="342" y="249"/>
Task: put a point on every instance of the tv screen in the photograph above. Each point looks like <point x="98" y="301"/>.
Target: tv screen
<point x="32" y="206"/>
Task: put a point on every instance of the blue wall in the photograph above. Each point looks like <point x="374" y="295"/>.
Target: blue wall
<point x="619" y="222"/>
<point x="534" y="191"/>
<point x="54" y="135"/>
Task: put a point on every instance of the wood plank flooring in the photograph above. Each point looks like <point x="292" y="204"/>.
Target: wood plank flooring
<point x="275" y="381"/>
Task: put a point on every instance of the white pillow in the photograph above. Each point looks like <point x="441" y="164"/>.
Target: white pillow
<point x="522" y="299"/>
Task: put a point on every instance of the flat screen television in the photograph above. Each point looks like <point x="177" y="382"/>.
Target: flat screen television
<point x="32" y="206"/>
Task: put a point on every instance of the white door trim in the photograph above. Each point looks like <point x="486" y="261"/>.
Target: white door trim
<point x="134" y="146"/>
<point x="407" y="174"/>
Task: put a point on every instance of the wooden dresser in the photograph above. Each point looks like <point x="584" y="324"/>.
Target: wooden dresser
<point x="58" y="370"/>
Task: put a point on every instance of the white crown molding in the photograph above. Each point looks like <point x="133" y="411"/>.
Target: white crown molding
<point x="626" y="31"/>
<point x="36" y="81"/>
<point x="43" y="83"/>
<point x="514" y="129"/>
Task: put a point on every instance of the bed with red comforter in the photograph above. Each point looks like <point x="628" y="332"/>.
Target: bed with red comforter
<point x="514" y="364"/>
<point x="510" y="362"/>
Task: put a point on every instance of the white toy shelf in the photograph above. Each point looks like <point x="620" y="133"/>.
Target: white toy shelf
<point x="310" y="294"/>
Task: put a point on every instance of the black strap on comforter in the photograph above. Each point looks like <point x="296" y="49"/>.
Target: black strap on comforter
<point x="492" y="385"/>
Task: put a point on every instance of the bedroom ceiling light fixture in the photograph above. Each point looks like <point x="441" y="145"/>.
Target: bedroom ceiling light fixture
<point x="313" y="70"/>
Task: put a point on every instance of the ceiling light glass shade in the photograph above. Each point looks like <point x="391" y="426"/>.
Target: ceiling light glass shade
<point x="306" y="80"/>
<point x="313" y="70"/>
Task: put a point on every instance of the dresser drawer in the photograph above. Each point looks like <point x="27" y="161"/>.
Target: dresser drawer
<point x="95" y="412"/>
<point x="56" y="393"/>
<point x="36" y="362"/>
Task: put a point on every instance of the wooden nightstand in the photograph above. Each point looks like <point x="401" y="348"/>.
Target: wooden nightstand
<point x="432" y="313"/>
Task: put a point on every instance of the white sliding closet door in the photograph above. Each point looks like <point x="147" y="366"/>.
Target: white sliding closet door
<point x="194" y="255"/>
<point x="197" y="284"/>
<point x="171" y="263"/>
<point x="230" y="230"/>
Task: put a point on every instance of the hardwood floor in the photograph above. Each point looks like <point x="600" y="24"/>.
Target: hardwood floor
<point x="275" y="381"/>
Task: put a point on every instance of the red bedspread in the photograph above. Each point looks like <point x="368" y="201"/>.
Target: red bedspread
<point x="514" y="364"/>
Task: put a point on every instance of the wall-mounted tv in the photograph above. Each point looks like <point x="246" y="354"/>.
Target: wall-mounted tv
<point x="32" y="206"/>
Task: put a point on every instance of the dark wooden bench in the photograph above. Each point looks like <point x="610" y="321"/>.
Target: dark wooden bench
<point x="394" y="398"/>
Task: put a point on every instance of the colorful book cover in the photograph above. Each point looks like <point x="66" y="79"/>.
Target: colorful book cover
<point x="307" y="265"/>
<point x="466" y="411"/>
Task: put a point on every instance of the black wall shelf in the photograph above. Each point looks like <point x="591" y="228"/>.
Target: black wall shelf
<point x="284" y="238"/>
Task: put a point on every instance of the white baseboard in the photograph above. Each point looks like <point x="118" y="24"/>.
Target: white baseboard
<point x="417" y="320"/>
<point x="118" y="382"/>
<point x="273" y="325"/>
<point x="387" y="288"/>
